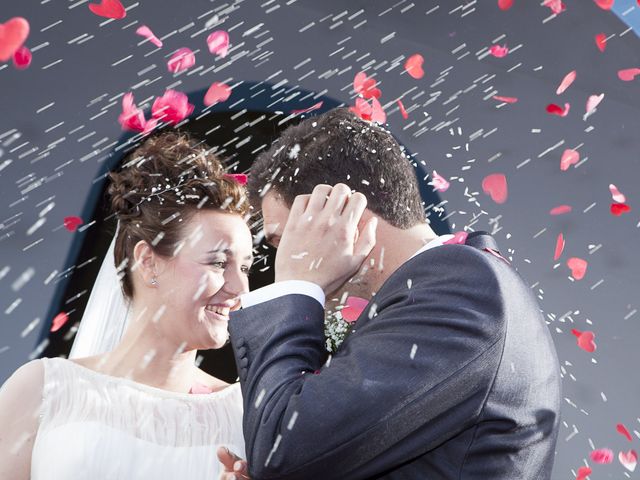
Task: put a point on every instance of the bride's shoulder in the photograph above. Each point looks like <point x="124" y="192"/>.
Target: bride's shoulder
<point x="22" y="392"/>
<point x="209" y="382"/>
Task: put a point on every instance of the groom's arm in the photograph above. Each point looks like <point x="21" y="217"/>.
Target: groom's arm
<point x="402" y="384"/>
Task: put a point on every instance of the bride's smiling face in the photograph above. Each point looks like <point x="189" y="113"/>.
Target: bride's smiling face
<point x="203" y="281"/>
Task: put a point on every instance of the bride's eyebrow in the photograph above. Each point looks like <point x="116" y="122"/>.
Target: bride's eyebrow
<point x="228" y="251"/>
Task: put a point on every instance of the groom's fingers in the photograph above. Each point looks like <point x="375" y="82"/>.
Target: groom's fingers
<point x="366" y="240"/>
<point x="227" y="459"/>
<point x="318" y="199"/>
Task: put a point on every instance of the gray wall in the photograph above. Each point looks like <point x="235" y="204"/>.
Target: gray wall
<point x="64" y="109"/>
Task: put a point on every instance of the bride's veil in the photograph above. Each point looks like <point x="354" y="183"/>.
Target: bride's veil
<point x="105" y="317"/>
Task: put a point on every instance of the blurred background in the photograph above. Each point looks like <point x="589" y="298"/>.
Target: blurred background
<point x="472" y="114"/>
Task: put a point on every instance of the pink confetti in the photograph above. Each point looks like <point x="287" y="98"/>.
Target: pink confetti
<point x="505" y="99"/>
<point x="559" y="247"/>
<point x="58" y="321"/>
<point x="601" y="41"/>
<point x="13" y="34"/>
<point x="583" y="473"/>
<point x="560" y="210"/>
<point x="313" y="107"/>
<point x="495" y="185"/>
<point x="240" y="178"/>
<point x="440" y="184"/>
<point x="505" y="4"/>
<point x="556" y="6"/>
<point x="569" y="157"/>
<point x="217" y="93"/>
<point x="146" y="32"/>
<point x="218" y="43"/>
<point x="365" y="86"/>
<point x="578" y="267"/>
<point x="459" y="238"/>
<point x="498" y="51"/>
<point x="132" y="118"/>
<point x="568" y="79"/>
<point x="183" y="59"/>
<point x="172" y="107"/>
<point x="554" y="109"/>
<point x="604" y="4"/>
<point x="108" y="9"/>
<point x="354" y="306"/>
<point x="585" y="340"/>
<point x="629" y="74"/>
<point x="22" y="58"/>
<point x="72" y="223"/>
<point x="403" y="111"/>
<point x="377" y="112"/>
<point x="592" y="102"/>
<point x="629" y="460"/>
<point x="618" y="209"/>
<point x="616" y="195"/>
<point x="622" y="430"/>
<point x="362" y="109"/>
<point x="602" y="456"/>
<point x="413" y="66"/>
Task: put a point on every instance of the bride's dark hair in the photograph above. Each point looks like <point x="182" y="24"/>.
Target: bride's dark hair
<point x="159" y="188"/>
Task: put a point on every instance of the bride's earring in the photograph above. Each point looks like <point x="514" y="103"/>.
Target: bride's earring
<point x="154" y="281"/>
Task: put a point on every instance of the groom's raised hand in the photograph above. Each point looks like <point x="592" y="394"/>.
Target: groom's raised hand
<point x="235" y="468"/>
<point x="321" y="242"/>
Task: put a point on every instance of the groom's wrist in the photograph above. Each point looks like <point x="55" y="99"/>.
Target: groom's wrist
<point x="282" y="288"/>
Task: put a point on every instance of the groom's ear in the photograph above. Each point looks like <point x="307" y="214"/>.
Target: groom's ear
<point x="144" y="261"/>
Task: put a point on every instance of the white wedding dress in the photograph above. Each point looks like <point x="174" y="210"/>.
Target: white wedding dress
<point x="95" y="426"/>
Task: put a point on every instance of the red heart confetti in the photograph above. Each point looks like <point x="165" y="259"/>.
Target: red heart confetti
<point x="241" y="178"/>
<point x="554" y="109"/>
<point x="601" y="41"/>
<point x="618" y="209"/>
<point x="22" y="58"/>
<point x="413" y="66"/>
<point x="568" y="79"/>
<point x="499" y="51"/>
<point x="616" y="195"/>
<point x="578" y="267"/>
<point x="58" y="321"/>
<point x="602" y="456"/>
<point x="403" y="111"/>
<point x="604" y="4"/>
<point x="505" y="4"/>
<point x="628" y="74"/>
<point x="583" y="473"/>
<point x="440" y="184"/>
<point x="559" y="247"/>
<point x="495" y="185"/>
<point x="622" y="430"/>
<point x="13" y="34"/>
<point x="366" y="86"/>
<point x="505" y="99"/>
<point x="569" y="157"/>
<point x="629" y="460"/>
<point x="313" y="107"/>
<point x="560" y="210"/>
<point x="72" y="223"/>
<point x="108" y="9"/>
<point x="172" y="107"/>
<point x="353" y="307"/>
<point x="218" y="43"/>
<point x="146" y="32"/>
<point x="585" y="340"/>
<point x="183" y="59"/>
<point x="556" y="6"/>
<point x="217" y="93"/>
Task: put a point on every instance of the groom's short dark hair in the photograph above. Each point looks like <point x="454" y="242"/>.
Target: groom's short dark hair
<point x="338" y="147"/>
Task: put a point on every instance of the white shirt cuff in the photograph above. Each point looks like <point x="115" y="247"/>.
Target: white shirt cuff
<point x="280" y="289"/>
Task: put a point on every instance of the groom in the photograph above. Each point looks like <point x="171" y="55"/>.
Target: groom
<point x="450" y="371"/>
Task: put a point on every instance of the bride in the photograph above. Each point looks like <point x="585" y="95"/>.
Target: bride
<point x="143" y="409"/>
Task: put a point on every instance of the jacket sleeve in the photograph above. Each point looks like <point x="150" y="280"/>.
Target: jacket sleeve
<point x="402" y="383"/>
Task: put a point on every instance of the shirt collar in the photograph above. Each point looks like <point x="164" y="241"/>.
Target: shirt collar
<point x="436" y="242"/>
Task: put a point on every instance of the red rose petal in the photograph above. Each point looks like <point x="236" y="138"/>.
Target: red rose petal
<point x="556" y="6"/>
<point x="108" y="9"/>
<point x="183" y="59"/>
<point x="362" y="109"/>
<point x="72" y="223"/>
<point x="403" y="112"/>
<point x="554" y="109"/>
<point x="616" y="195"/>
<point x="132" y="118"/>
<point x="440" y="184"/>
<point x="601" y="41"/>
<point x="354" y="306"/>
<point x="499" y="51"/>
<point x="569" y="157"/>
<point x="413" y="66"/>
<point x="585" y="340"/>
<point x="629" y="460"/>
<point x="459" y="238"/>
<point x="559" y="247"/>
<point x="592" y="102"/>
<point x="604" y="4"/>
<point x="505" y="4"/>
<point x="495" y="185"/>
<point x="629" y="74"/>
<point x="146" y="32"/>
<point x="560" y="210"/>
<point x="217" y="93"/>
<point x="313" y="107"/>
<point x="578" y="267"/>
<point x="241" y="178"/>
<point x="366" y="86"/>
<point x="568" y="79"/>
<point x="583" y="473"/>
<point x="22" y="58"/>
<point x="218" y="43"/>
<point x="602" y="456"/>
<point x="172" y="107"/>
<point x="505" y="99"/>
<point x="13" y="34"/>
<point x="618" y="209"/>
<point x="377" y="112"/>
<point x="622" y="430"/>
<point x="58" y="321"/>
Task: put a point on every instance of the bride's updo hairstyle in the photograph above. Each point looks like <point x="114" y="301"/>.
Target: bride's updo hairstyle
<point x="159" y="188"/>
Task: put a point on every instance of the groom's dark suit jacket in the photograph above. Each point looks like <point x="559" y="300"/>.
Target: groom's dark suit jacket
<point x="450" y="373"/>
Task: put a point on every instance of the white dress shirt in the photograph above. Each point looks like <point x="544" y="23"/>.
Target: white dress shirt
<point x="302" y="287"/>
